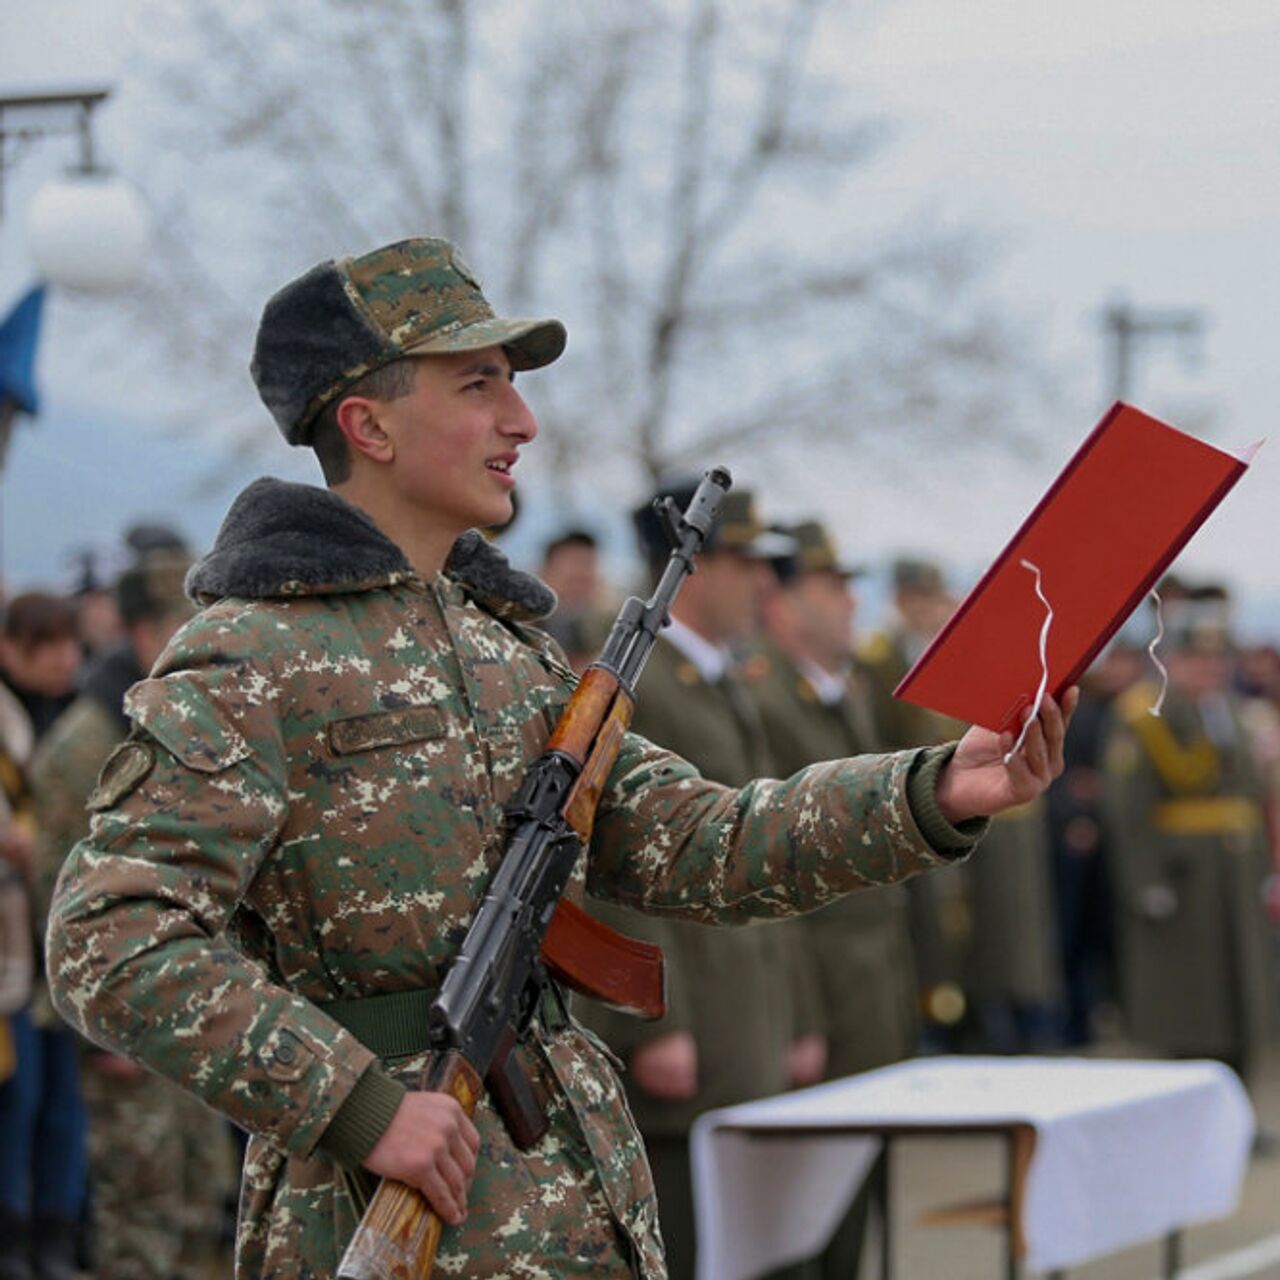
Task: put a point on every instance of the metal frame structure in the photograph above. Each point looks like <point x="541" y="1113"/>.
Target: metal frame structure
<point x="66" y="112"/>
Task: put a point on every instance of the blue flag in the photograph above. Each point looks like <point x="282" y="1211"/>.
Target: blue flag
<point x="19" y="335"/>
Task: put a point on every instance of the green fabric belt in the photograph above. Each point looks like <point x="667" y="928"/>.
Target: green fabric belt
<point x="392" y="1025"/>
<point x="395" y="1025"/>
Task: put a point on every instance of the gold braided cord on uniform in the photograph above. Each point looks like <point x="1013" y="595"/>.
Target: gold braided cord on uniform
<point x="1190" y="768"/>
<point x="1207" y="815"/>
<point x="13" y="782"/>
<point x="876" y="649"/>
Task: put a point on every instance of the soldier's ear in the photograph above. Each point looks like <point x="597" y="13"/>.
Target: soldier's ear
<point x="360" y="421"/>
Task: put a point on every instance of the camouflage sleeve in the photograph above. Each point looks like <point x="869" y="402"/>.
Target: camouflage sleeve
<point x="668" y="842"/>
<point x="187" y="810"/>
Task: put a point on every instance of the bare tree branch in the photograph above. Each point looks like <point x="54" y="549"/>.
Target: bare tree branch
<point x="665" y="176"/>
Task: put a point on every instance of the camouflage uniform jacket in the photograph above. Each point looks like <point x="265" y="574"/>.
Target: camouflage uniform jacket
<point x="318" y="766"/>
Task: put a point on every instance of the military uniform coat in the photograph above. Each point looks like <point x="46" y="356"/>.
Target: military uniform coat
<point x="1188" y="858"/>
<point x="939" y="907"/>
<point x="854" y="958"/>
<point x="730" y="988"/>
<point x="1016" y="959"/>
<point x="317" y="771"/>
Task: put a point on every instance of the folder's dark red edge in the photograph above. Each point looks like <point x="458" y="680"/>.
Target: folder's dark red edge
<point x="1134" y="599"/>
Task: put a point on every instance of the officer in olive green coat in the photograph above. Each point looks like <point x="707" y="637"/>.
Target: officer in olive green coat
<point x="855" y="971"/>
<point x="726" y="1034"/>
<point x="1182" y="805"/>
<point x="1015" y="974"/>
<point x="941" y="912"/>
<point x="815" y="704"/>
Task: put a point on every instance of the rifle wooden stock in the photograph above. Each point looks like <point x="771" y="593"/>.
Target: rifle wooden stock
<point x="399" y="1233"/>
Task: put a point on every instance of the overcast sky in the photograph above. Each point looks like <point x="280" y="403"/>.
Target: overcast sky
<point x="1112" y="148"/>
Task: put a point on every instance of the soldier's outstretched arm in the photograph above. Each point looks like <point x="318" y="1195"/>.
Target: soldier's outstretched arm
<point x="668" y="842"/>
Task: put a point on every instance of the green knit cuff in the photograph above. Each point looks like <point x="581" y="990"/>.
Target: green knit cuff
<point x="363" y="1117"/>
<point x="947" y="839"/>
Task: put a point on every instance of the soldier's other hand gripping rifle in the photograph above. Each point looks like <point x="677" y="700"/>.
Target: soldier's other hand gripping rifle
<point x="522" y="929"/>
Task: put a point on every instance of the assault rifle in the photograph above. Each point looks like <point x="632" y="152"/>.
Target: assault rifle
<point x="523" y="930"/>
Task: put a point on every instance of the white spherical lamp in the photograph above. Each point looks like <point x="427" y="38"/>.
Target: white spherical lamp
<point x="88" y="231"/>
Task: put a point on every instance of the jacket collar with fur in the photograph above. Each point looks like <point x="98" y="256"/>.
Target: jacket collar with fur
<point x="282" y="540"/>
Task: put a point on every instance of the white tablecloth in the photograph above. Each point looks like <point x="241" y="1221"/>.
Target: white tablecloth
<point x="1125" y="1152"/>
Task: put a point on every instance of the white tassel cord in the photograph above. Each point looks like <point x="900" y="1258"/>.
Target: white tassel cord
<point x="1156" y="707"/>
<point x="1044" y="661"/>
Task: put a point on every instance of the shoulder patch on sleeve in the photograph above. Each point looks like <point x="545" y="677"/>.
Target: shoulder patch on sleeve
<point x="185" y="717"/>
<point x="126" y="767"/>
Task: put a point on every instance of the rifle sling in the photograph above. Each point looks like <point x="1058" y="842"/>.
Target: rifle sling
<point x="394" y="1025"/>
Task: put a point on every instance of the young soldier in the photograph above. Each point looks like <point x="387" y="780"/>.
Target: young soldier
<point x="318" y="767"/>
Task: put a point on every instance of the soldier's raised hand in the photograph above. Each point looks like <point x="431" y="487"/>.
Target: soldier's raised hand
<point x="978" y="782"/>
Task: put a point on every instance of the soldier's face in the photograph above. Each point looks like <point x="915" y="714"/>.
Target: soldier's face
<point x="729" y="590"/>
<point x="824" y="616"/>
<point x="457" y="436"/>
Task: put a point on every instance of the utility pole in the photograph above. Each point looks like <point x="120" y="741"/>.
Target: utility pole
<point x="1126" y="328"/>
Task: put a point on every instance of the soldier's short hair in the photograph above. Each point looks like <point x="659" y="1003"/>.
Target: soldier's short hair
<point x="390" y="382"/>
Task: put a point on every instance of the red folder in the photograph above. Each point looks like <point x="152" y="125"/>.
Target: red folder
<point x="1108" y="527"/>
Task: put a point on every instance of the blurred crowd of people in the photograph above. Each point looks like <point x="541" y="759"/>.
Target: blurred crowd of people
<point x="1137" y="904"/>
<point x="104" y="1168"/>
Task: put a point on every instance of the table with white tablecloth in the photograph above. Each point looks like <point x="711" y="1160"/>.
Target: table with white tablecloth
<point x="1123" y="1152"/>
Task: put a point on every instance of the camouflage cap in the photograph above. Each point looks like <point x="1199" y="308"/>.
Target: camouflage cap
<point x="343" y="319"/>
<point x="738" y="526"/>
<point x="154" y="586"/>
<point x="815" y="552"/>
